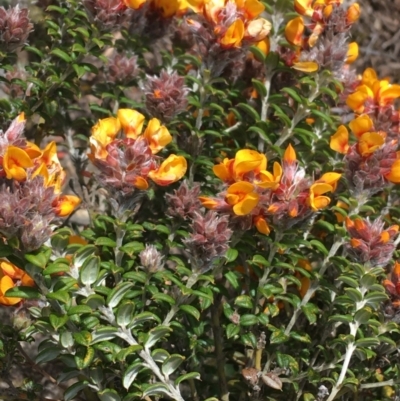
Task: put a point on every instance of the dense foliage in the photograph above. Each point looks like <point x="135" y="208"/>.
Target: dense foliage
<point x="198" y="201"/>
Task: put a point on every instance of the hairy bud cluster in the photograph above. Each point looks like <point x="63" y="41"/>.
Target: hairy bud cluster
<point x="369" y="242"/>
<point x="209" y="237"/>
<point x="122" y="69"/>
<point x="166" y="96"/>
<point x="15" y="27"/>
<point x="184" y="202"/>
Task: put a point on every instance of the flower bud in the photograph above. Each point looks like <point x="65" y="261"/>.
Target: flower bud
<point x="151" y="259"/>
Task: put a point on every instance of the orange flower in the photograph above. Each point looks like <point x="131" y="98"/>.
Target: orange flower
<point x="369" y="143"/>
<point x="269" y="180"/>
<point x="135" y="4"/>
<point x="171" y="170"/>
<point x="234" y="35"/>
<point x="316" y="200"/>
<point x="294" y="31"/>
<point x="361" y="125"/>
<point x="261" y="225"/>
<point x="16" y="273"/>
<point x="340" y="140"/>
<point x="64" y="205"/>
<point x="258" y="29"/>
<point x="290" y="155"/>
<point x="242" y="197"/>
<point x="104" y="132"/>
<point x="157" y="135"/>
<point x="306" y="66"/>
<point x="352" y="53"/>
<point x="6" y="283"/>
<point x="15" y="161"/>
<point x="131" y="122"/>
<point x="394" y="174"/>
<point x="353" y="13"/>
<point x="342" y="205"/>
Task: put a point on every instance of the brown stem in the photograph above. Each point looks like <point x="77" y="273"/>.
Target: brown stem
<point x="219" y="353"/>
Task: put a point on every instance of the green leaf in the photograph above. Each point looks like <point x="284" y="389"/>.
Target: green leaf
<point x="232" y="330"/>
<point x="48" y="354"/>
<point x="125" y="352"/>
<point x="156" y="334"/>
<point x="248" y="320"/>
<point x="354" y="294"/>
<point x="116" y="295"/>
<point x="310" y="311"/>
<point x="131" y="373"/>
<point x="260" y="260"/>
<point x="104" y="334"/>
<point x="231" y="255"/>
<point x="82" y="254"/>
<point x="368" y="342"/>
<point x="55" y="268"/>
<point x="83" y="337"/>
<point x="108" y="395"/>
<point x="57" y="321"/>
<point x="23" y="292"/>
<point x="89" y="271"/>
<point x="278" y="337"/>
<point x="143" y="317"/>
<point x="187" y="376"/>
<point x="125" y="314"/>
<point x="260" y="87"/>
<point x="156" y="389"/>
<point x="60" y="295"/>
<point x="287" y="361"/>
<point x="249" y="110"/>
<point x="35" y="50"/>
<point x="191" y="310"/>
<point x="171" y="364"/>
<point x="160" y="355"/>
<point x="363" y="315"/>
<point x="293" y="94"/>
<point x="40" y="259"/>
<point x="320" y="246"/>
<point x="304" y="338"/>
<point x="73" y="390"/>
<point x="57" y="9"/>
<point x="244" y="301"/>
<point x="233" y="279"/>
<point x="61" y="54"/>
<point x="105" y="241"/>
<point x="79" y="310"/>
<point x="84" y="357"/>
<point x="159" y="296"/>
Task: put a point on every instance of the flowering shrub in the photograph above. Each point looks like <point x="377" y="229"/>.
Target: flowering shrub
<point x="198" y="201"/>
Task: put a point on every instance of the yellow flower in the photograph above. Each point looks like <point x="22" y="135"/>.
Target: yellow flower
<point x="104" y="132"/>
<point x="316" y="199"/>
<point x="242" y="197"/>
<point x="131" y="122"/>
<point x="269" y="180"/>
<point x="330" y="178"/>
<point x="247" y="160"/>
<point x="64" y="205"/>
<point x="369" y="143"/>
<point x="361" y="125"/>
<point x="15" y="161"/>
<point x="294" y="31"/>
<point x="353" y="13"/>
<point x="290" y="155"/>
<point x="157" y="135"/>
<point x="352" y="53"/>
<point x="304" y="7"/>
<point x="342" y="205"/>
<point x="306" y="66"/>
<point x="234" y="35"/>
<point x="10" y="270"/>
<point x="7" y="283"/>
<point x="394" y="175"/>
<point x="261" y="225"/>
<point x="340" y="140"/>
<point x="171" y="170"/>
<point x="250" y="8"/>
<point x="264" y="45"/>
<point x="135" y="4"/>
<point x="208" y="203"/>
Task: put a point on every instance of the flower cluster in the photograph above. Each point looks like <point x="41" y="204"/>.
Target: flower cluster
<point x="369" y="242"/>
<point x="284" y="195"/>
<point x="320" y="34"/>
<point x="375" y="98"/>
<point x="392" y="285"/>
<point x="31" y="181"/>
<point x="10" y="277"/>
<point x="372" y="161"/>
<point x="126" y="157"/>
<point x="224" y="28"/>
<point x="166" y="95"/>
<point x="122" y="69"/>
<point x="15" y="27"/>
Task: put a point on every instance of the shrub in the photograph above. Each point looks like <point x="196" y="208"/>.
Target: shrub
<point x="198" y="202"/>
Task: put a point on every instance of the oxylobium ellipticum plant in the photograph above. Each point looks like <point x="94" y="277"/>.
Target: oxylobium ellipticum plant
<point x="198" y="202"/>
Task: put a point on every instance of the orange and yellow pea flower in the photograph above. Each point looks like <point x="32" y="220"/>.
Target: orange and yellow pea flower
<point x="171" y="170"/>
<point x="9" y="276"/>
<point x="381" y="92"/>
<point x="157" y="135"/>
<point x="15" y="163"/>
<point x="242" y="197"/>
<point x="64" y="205"/>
